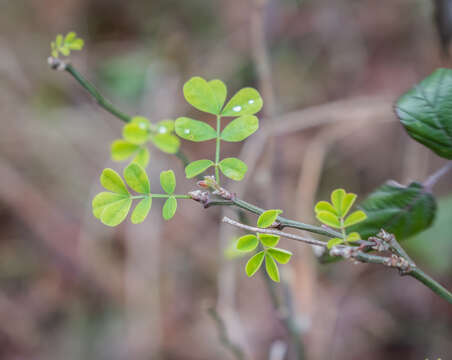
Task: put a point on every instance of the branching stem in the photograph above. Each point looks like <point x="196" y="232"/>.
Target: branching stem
<point x="217" y="151"/>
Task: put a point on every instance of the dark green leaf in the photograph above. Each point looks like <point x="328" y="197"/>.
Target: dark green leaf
<point x="267" y="218"/>
<point x="271" y="267"/>
<point x="240" y="128"/>
<point x="246" y="101"/>
<point x="247" y="243"/>
<point x="426" y="112"/>
<point x="194" y="130"/>
<point x="169" y="208"/>
<point x="400" y="210"/>
<point x="197" y="167"/>
<point x="168" y="181"/>
<point x="233" y="168"/>
<point x="254" y="263"/>
<point x="137" y="178"/>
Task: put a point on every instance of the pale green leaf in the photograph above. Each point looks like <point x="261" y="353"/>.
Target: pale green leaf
<point x="111" y="180"/>
<point x="271" y="267"/>
<point x="240" y="128"/>
<point x="246" y="101"/>
<point x="168" y="181"/>
<point x="233" y="168"/>
<point x="325" y="206"/>
<point x="328" y="219"/>
<point x="169" y="208"/>
<point x="104" y="199"/>
<point x="268" y="239"/>
<point x="137" y="178"/>
<point x="334" y="241"/>
<point x="165" y="127"/>
<point x="200" y="95"/>
<point x="197" y="167"/>
<point x="267" y="218"/>
<point x="141" y="210"/>
<point x="142" y="157"/>
<point x="167" y="143"/>
<point x="122" y="150"/>
<point x="254" y="263"/>
<point x="247" y="243"/>
<point x="354" y="218"/>
<point x="136" y="133"/>
<point x="347" y="202"/>
<point x="280" y="255"/>
<point x="116" y="212"/>
<point x="354" y="236"/>
<point x="336" y="199"/>
<point x="194" y="130"/>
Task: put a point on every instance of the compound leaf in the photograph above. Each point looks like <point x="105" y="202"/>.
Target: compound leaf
<point x="111" y="180"/>
<point x="271" y="267"/>
<point x="169" y="208"/>
<point x="141" y="210"/>
<point x="400" y="210"/>
<point x="233" y="168"/>
<point x="137" y="178"/>
<point x="267" y="218"/>
<point x="197" y="167"/>
<point x="280" y="255"/>
<point x="168" y="181"/>
<point x="425" y="112"/>
<point x="247" y="243"/>
<point x="194" y="130"/>
<point x="254" y="263"/>
<point x="246" y="101"/>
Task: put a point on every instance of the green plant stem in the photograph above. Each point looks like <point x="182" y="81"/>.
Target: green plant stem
<point x="102" y="101"/>
<point x="433" y="285"/>
<point x="217" y="151"/>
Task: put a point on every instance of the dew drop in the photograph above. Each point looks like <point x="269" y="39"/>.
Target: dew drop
<point x="187" y="131"/>
<point x="162" y="130"/>
<point x="237" y="108"/>
<point x="250" y="101"/>
<point x="142" y="126"/>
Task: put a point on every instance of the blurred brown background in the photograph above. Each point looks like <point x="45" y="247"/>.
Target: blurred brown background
<point x="71" y="288"/>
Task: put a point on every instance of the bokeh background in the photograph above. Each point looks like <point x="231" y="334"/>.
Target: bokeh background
<point x="329" y="71"/>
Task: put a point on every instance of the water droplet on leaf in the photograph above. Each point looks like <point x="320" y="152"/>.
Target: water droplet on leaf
<point x="237" y="108"/>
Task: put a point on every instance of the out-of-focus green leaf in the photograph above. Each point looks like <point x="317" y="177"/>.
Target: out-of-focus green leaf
<point x="246" y="101"/>
<point x="354" y="236"/>
<point x="168" y="181"/>
<point x="240" y="128"/>
<point x="254" y="263"/>
<point x="197" y="167"/>
<point x="141" y="210"/>
<point x="280" y="255"/>
<point x="194" y="130"/>
<point x="142" y="157"/>
<point x="122" y="150"/>
<point x="269" y="240"/>
<point x="400" y="210"/>
<point x="169" y="208"/>
<point x="111" y="180"/>
<point x="271" y="267"/>
<point x="267" y="218"/>
<point x="233" y="168"/>
<point x="64" y="45"/>
<point x="247" y="243"/>
<point x="425" y="112"/>
<point x="135" y="133"/>
<point x="137" y="178"/>
<point x="333" y="242"/>
<point x="165" y="127"/>
<point x="167" y="143"/>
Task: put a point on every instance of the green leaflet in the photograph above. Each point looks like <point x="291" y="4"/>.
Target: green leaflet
<point x="169" y="208"/>
<point x="267" y="218"/>
<point x="239" y="129"/>
<point x="167" y="143"/>
<point x="197" y="167"/>
<point x="116" y="212"/>
<point x="168" y="181"/>
<point x="271" y="267"/>
<point x="142" y="157"/>
<point x="246" y="101"/>
<point x="137" y="178"/>
<point x="141" y="210"/>
<point x="111" y="180"/>
<point x="425" y="112"/>
<point x="400" y="210"/>
<point x="254" y="263"/>
<point x="121" y="150"/>
<point x="280" y="255"/>
<point x="194" y="130"/>
<point x="135" y="133"/>
<point x="247" y="243"/>
<point x="205" y="96"/>
<point x="233" y="168"/>
<point x="269" y="240"/>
